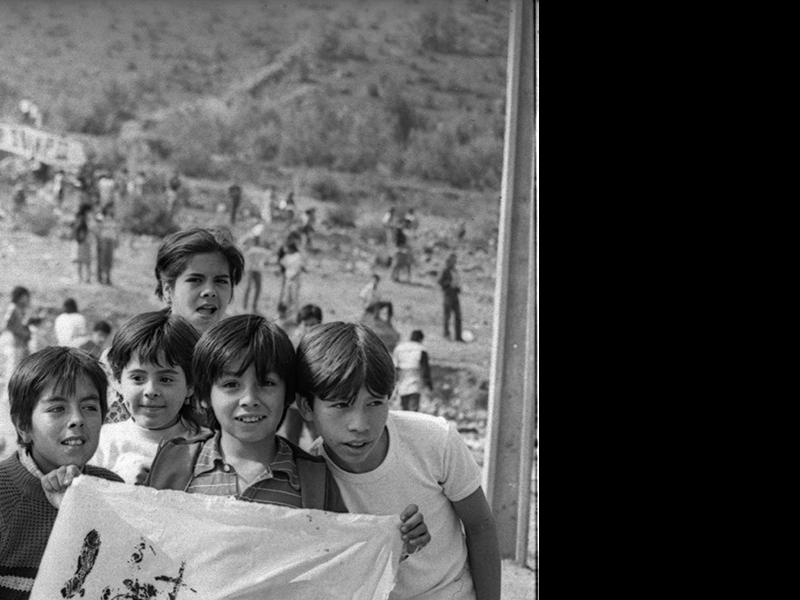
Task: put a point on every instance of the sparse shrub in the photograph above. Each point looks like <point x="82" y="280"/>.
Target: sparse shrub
<point x="342" y="216"/>
<point x="372" y="233"/>
<point x="195" y="137"/>
<point x="103" y="115"/>
<point x="326" y="188"/>
<point x="147" y="215"/>
<point x="8" y="97"/>
<point x="38" y="219"/>
<point x="405" y="117"/>
<point x="442" y="33"/>
<point x="330" y="41"/>
<point x="438" y="155"/>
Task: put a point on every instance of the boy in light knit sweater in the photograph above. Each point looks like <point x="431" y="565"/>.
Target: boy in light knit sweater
<point x="58" y="402"/>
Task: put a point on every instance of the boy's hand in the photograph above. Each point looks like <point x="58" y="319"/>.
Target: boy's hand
<point x="56" y="482"/>
<point x="141" y="476"/>
<point x="413" y="530"/>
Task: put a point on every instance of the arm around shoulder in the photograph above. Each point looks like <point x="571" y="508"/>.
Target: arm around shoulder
<point x="482" y="547"/>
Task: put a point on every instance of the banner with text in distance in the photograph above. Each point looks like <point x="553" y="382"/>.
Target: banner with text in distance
<point x="118" y="541"/>
<point x="49" y="148"/>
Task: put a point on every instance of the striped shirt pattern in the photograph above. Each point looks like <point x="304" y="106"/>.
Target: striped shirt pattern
<point x="278" y="484"/>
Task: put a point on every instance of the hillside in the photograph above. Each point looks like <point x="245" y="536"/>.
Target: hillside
<point x="354" y="105"/>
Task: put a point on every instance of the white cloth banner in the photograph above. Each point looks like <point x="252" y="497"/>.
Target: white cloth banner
<point x="40" y="145"/>
<point x="113" y="541"/>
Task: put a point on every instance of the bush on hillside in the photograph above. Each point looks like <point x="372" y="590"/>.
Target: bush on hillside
<point x="147" y="215"/>
<point x="439" y="33"/>
<point x="326" y="188"/>
<point x="342" y="216"/>
<point x="193" y="138"/>
<point x="39" y="219"/>
<point x="437" y="155"/>
<point x="320" y="133"/>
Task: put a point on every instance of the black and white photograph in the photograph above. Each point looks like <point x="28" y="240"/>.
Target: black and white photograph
<point x="270" y="299"/>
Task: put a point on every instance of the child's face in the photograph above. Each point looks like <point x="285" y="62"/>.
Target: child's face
<point x="203" y="291"/>
<point x="24" y="301"/>
<point x="246" y="410"/>
<point x="154" y="393"/>
<point x="354" y="434"/>
<point x="65" y="429"/>
<point x="99" y="337"/>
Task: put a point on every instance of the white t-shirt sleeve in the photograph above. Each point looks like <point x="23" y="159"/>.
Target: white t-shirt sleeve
<point x="461" y="474"/>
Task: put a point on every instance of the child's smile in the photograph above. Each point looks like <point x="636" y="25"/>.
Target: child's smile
<point x="65" y="429"/>
<point x="154" y="393"/>
<point x="248" y="410"/>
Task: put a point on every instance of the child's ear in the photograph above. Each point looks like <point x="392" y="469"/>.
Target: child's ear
<point x="305" y="408"/>
<point x="189" y="394"/>
<point x="25" y="436"/>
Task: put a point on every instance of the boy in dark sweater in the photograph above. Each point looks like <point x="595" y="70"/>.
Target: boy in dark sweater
<point x="58" y="403"/>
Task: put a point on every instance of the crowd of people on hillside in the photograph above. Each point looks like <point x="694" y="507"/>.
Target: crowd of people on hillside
<point x="192" y="399"/>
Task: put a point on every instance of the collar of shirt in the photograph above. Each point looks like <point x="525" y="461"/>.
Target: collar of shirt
<point x="27" y="461"/>
<point x="211" y="457"/>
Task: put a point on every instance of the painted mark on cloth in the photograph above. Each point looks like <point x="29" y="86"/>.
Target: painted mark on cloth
<point x="86" y="558"/>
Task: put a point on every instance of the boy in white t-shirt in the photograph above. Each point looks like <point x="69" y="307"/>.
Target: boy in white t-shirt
<point x="383" y="461"/>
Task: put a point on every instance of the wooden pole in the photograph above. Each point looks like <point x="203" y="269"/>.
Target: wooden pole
<point x="513" y="372"/>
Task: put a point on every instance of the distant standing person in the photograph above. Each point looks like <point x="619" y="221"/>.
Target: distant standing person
<point x="288" y="206"/>
<point x="82" y="251"/>
<point x="256" y="256"/>
<point x="450" y="282"/>
<point x="413" y="370"/>
<point x="107" y="232"/>
<point x="70" y="326"/>
<point x="293" y="263"/>
<point x="388" y="222"/>
<point x="173" y="190"/>
<point x="293" y="238"/>
<point x="307" y="228"/>
<point x="15" y="334"/>
<point x="235" y="196"/>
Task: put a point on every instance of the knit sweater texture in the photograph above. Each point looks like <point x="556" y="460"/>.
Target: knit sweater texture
<point x="26" y="519"/>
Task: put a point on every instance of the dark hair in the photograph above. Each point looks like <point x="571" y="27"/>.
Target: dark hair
<point x="250" y="339"/>
<point x="18" y="292"/>
<point x="70" y="306"/>
<point x="335" y="360"/>
<point x="375" y="309"/>
<point x="309" y="311"/>
<point x="417" y="335"/>
<point x="177" y="249"/>
<point x="153" y="337"/>
<point x="102" y="326"/>
<point x="56" y="365"/>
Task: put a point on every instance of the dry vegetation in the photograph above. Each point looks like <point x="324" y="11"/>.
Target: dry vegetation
<point x="356" y="105"/>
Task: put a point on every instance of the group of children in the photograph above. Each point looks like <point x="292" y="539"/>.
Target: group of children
<point x="207" y="396"/>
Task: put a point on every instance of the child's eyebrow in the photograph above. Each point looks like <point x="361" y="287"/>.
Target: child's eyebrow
<point x="169" y="370"/>
<point x="56" y="398"/>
